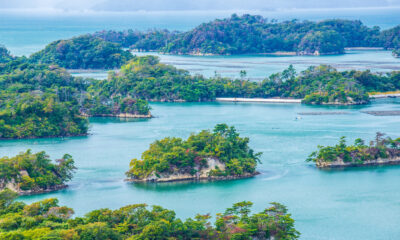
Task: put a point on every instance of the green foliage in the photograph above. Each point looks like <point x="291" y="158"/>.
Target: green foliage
<point x="46" y="220"/>
<point x="248" y="34"/>
<point x="322" y="42"/>
<point x="396" y="53"/>
<point x="171" y="155"/>
<point x="35" y="172"/>
<point x="146" y="78"/>
<point x="38" y="100"/>
<point x="5" y="55"/>
<point x="358" y="152"/>
<point x="83" y="52"/>
<point x="27" y="115"/>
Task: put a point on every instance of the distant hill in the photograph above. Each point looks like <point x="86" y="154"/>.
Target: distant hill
<point x="252" y="34"/>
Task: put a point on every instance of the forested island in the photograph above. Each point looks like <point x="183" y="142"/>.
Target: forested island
<point x="32" y="173"/>
<point x="47" y="220"/>
<point x="253" y="34"/>
<point x="44" y="100"/>
<point x="147" y="78"/>
<point x="41" y="100"/>
<point x="209" y="155"/>
<point x="83" y="52"/>
<point x="382" y="151"/>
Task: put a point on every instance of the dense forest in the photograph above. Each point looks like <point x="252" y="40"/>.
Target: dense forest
<point x="255" y="34"/>
<point x="40" y="100"/>
<point x="83" y="52"/>
<point x="357" y="154"/>
<point x="177" y="156"/>
<point x="47" y="220"/>
<point x="34" y="172"/>
<point x="5" y="55"/>
<point x="147" y="78"/>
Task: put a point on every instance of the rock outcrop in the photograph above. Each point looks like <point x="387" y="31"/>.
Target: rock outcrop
<point x="16" y="186"/>
<point x="204" y="173"/>
<point x="339" y="163"/>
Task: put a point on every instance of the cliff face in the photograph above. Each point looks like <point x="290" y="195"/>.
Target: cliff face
<point x="339" y="163"/>
<point x="16" y="187"/>
<point x="201" y="174"/>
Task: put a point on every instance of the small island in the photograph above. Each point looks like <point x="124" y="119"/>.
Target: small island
<point x="32" y="173"/>
<point x="209" y="155"/>
<point x="382" y="151"/>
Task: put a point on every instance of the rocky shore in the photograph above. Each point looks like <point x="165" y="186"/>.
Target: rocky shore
<point x="339" y="163"/>
<point x="121" y="115"/>
<point x="13" y="186"/>
<point x="201" y="174"/>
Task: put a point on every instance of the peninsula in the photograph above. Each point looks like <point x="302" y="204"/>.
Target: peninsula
<point x="217" y="155"/>
<point x="41" y="100"/>
<point x="32" y="173"/>
<point x="382" y="151"/>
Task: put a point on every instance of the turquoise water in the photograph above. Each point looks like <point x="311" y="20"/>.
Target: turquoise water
<point x="258" y="67"/>
<point x="353" y="204"/>
<point x="25" y="33"/>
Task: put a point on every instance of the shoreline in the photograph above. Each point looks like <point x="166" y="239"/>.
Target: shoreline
<point x="375" y="162"/>
<point x="261" y="100"/>
<point x="193" y="178"/>
<point x="34" y="192"/>
<point x="120" y="115"/>
<point x="384" y="95"/>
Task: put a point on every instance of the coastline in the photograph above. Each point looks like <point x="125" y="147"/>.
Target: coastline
<point x="120" y="115"/>
<point x="194" y="178"/>
<point x="384" y="95"/>
<point x="53" y="136"/>
<point x="14" y="188"/>
<point x="364" y="48"/>
<point x="260" y="100"/>
<point x="376" y="162"/>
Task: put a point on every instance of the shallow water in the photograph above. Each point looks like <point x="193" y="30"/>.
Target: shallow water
<point x="258" y="67"/>
<point x="352" y="204"/>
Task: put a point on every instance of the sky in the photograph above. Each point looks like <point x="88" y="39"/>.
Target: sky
<point x="185" y="5"/>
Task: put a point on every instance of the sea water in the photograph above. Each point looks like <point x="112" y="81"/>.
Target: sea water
<point x="346" y="204"/>
<point x="359" y="203"/>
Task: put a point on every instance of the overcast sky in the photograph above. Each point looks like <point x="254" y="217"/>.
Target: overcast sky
<point x="166" y="5"/>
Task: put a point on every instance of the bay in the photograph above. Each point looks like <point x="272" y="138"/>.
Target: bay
<point x="351" y="204"/>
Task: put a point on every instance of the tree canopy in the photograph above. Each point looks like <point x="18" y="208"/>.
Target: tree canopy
<point x="40" y="100"/>
<point x="83" y="52"/>
<point x="47" y="220"/>
<point x="359" y="152"/>
<point x="35" y="171"/>
<point x="248" y="34"/>
<point x="174" y="155"/>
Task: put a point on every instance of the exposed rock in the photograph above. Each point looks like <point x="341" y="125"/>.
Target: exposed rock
<point x="339" y="163"/>
<point x="201" y="174"/>
<point x="121" y="115"/>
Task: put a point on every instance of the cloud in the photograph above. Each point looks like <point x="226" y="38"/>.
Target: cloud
<point x="181" y="5"/>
